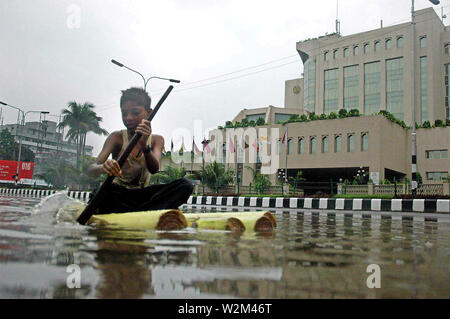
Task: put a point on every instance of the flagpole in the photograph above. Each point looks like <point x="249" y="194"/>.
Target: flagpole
<point x="192" y="153"/>
<point x="287" y="146"/>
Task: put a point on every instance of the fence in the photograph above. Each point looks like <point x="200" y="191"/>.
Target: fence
<point x="395" y="189"/>
<point x="299" y="189"/>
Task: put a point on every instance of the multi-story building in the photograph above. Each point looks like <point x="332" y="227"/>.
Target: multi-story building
<point x="370" y="72"/>
<point x="46" y="141"/>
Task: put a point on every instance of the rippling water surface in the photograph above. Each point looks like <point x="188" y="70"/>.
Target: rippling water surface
<point x="308" y="256"/>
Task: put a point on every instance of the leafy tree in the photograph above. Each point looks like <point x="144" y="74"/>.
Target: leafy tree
<point x="6" y="145"/>
<point x="215" y="175"/>
<point x="9" y="149"/>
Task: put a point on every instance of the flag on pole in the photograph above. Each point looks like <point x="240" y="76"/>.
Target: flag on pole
<point x="256" y="144"/>
<point x="284" y="140"/>
<point x="182" y="147"/>
<point x="265" y="139"/>
<point x="232" y="148"/>
<point x="196" y="150"/>
<point x="206" y="145"/>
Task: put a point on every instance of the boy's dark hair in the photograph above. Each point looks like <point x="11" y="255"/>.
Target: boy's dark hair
<point x="137" y="95"/>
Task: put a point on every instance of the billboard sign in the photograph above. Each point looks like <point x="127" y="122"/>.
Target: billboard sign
<point x="8" y="170"/>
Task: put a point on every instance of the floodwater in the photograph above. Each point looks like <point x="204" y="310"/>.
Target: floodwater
<point x="307" y="256"/>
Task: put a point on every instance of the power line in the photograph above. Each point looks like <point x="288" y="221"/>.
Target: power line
<point x="237" y="77"/>
<point x="237" y="71"/>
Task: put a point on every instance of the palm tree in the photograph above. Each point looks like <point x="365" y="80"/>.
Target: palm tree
<point x="261" y="182"/>
<point x="81" y="119"/>
<point x="168" y="175"/>
<point x="215" y="175"/>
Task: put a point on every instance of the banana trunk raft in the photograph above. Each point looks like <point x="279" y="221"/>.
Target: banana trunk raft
<point x="236" y="221"/>
<point x="167" y="219"/>
<point x="174" y="219"/>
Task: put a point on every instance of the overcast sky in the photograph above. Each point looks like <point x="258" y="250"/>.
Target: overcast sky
<point x="47" y="59"/>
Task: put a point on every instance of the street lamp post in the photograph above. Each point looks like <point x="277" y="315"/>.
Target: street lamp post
<point x="413" y="104"/>
<point x="143" y="78"/>
<point x="282" y="178"/>
<point x="22" y="124"/>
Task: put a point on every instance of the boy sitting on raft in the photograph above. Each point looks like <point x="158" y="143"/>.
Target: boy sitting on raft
<point x="130" y="190"/>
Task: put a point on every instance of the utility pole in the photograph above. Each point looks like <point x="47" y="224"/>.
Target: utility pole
<point x="413" y="101"/>
<point x="413" y="98"/>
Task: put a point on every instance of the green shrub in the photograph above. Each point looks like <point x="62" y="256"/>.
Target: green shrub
<point x="342" y="113"/>
<point x="332" y="115"/>
<point x="353" y="112"/>
<point x="439" y="123"/>
<point x="426" y="124"/>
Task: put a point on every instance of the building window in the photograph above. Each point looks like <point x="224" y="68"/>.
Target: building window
<point x="309" y="84"/>
<point x="301" y="145"/>
<point x="377" y="46"/>
<point x="325" y="144"/>
<point x="423" y="42"/>
<point x="290" y="145"/>
<point x="355" y="50"/>
<point x="255" y="117"/>
<point x="447" y="48"/>
<point x="350" y="143"/>
<point x="372" y="95"/>
<point x="423" y="89"/>
<point x="388" y="44"/>
<point x="280" y="117"/>
<point x="326" y="56"/>
<point x="364" y="142"/>
<point x="394" y="87"/>
<point x="335" y="54"/>
<point x="224" y="153"/>
<point x="366" y="48"/>
<point x="345" y="52"/>
<point x="437" y="154"/>
<point x="447" y="91"/>
<point x="337" y="143"/>
<point x="400" y="42"/>
<point x="351" y="87"/>
<point x="312" y="145"/>
<point x="331" y="91"/>
<point x="436" y="176"/>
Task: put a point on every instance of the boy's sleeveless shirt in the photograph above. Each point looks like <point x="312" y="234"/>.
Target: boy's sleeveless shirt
<point x="134" y="171"/>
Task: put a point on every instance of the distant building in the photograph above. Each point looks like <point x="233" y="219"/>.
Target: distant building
<point x="369" y="71"/>
<point x="372" y="71"/>
<point x="46" y="141"/>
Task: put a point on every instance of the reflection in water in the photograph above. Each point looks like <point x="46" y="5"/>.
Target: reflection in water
<point x="309" y="255"/>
